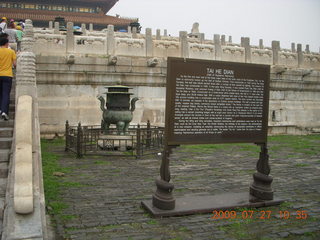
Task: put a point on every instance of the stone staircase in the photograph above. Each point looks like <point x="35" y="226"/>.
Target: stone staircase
<point x="6" y="136"/>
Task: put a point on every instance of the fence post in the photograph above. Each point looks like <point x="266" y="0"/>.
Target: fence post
<point x="79" y="138"/>
<point x="138" y="150"/>
<point x="67" y="136"/>
<point x="157" y="136"/>
<point x="148" y="142"/>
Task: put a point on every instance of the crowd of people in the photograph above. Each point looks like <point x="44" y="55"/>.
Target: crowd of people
<point x="13" y="31"/>
<point x="11" y="34"/>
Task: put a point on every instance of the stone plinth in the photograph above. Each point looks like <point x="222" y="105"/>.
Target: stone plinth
<point x="115" y="142"/>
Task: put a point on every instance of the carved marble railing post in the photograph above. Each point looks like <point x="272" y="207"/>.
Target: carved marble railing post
<point x="111" y="40"/>
<point x="91" y="27"/>
<point x="134" y="32"/>
<point x="184" y="47"/>
<point x="217" y="47"/>
<point x="307" y="49"/>
<point x="247" y="49"/>
<point x="26" y="64"/>
<point x="56" y="27"/>
<point x="149" y="42"/>
<point x="50" y="25"/>
<point x="300" y="54"/>
<point x="158" y="36"/>
<point x="293" y="47"/>
<point x="70" y="38"/>
<point x="230" y="39"/>
<point x="202" y="38"/>
<point x="129" y="29"/>
<point x="242" y="42"/>
<point x="223" y="40"/>
<point x="83" y="29"/>
<point x="275" y="51"/>
<point x="165" y="33"/>
<point x="261" y="44"/>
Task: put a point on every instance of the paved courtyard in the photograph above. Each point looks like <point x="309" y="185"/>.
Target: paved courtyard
<point x="99" y="197"/>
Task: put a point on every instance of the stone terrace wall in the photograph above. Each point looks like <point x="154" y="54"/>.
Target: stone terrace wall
<point x="73" y="70"/>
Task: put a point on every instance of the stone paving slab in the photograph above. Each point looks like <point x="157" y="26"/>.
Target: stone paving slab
<point x="104" y="200"/>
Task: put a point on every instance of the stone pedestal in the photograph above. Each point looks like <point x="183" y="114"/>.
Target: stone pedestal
<point x="115" y="142"/>
<point x="260" y="189"/>
<point x="163" y="198"/>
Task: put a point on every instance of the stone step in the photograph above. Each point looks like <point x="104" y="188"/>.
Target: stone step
<point x="5" y="124"/>
<point x="12" y="107"/>
<point x="5" y="143"/>
<point x="12" y="115"/>
<point x="4" y="155"/>
<point x="4" y="168"/>
<point x="1" y="210"/>
<point x="12" y="100"/>
<point x="6" y="132"/>
<point x="3" y="187"/>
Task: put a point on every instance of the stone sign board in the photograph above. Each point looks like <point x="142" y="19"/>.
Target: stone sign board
<point x="216" y="102"/>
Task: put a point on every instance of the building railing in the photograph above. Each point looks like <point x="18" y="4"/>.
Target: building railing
<point x="111" y="43"/>
<point x="139" y="141"/>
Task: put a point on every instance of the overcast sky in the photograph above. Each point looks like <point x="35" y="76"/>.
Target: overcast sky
<point x="287" y="21"/>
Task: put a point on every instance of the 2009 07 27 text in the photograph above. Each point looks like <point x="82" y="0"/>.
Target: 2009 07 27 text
<point x="262" y="214"/>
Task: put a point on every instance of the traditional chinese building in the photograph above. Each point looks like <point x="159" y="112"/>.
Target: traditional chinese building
<point x="76" y="11"/>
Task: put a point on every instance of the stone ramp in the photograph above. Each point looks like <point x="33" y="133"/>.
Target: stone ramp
<point x="6" y="137"/>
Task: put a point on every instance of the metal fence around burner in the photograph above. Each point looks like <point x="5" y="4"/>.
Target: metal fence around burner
<point x="141" y="140"/>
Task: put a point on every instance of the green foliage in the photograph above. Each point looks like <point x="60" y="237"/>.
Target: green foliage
<point x="238" y="228"/>
<point x="50" y="165"/>
<point x="54" y="184"/>
<point x="216" y="147"/>
<point x="68" y="217"/>
<point x="285" y="205"/>
<point x="308" y="144"/>
<point x="290" y="145"/>
<point x="152" y="222"/>
<point x="302" y="165"/>
<point x="57" y="207"/>
<point x="100" y="162"/>
<point x="183" y="229"/>
<point x="109" y="227"/>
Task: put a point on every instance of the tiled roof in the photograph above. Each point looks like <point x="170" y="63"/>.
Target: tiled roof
<point x="40" y="15"/>
<point x="105" y="4"/>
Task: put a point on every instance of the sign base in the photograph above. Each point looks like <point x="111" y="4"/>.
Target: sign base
<point x="205" y="204"/>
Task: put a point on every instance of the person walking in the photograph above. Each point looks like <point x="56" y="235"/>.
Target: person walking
<point x="12" y="35"/>
<point x="19" y="37"/>
<point x="3" y="24"/>
<point x="8" y="59"/>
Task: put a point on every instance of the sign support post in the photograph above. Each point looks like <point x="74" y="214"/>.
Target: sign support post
<point x="261" y="189"/>
<point x="163" y="198"/>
